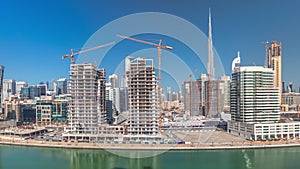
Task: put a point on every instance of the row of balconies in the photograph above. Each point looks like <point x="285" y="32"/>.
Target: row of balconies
<point x="142" y="91"/>
<point x="144" y="116"/>
<point x="143" y="107"/>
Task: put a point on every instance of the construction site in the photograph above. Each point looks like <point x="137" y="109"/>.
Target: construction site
<point x="93" y="106"/>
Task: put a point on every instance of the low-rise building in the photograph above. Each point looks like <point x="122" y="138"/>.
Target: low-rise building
<point x="270" y="131"/>
<point x="52" y="110"/>
<point x="19" y="108"/>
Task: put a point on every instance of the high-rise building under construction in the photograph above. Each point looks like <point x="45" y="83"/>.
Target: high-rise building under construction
<point x="87" y="104"/>
<point x="143" y="119"/>
<point x="273" y="60"/>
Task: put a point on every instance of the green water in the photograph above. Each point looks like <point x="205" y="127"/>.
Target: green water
<point x="15" y="157"/>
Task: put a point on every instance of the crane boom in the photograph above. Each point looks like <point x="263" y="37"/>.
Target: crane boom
<point x="145" y="42"/>
<point x="83" y="51"/>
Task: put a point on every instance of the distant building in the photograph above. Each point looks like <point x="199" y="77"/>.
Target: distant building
<point x="25" y="91"/>
<point x="274" y="54"/>
<point x="34" y="91"/>
<point x="101" y="80"/>
<point x="19" y="108"/>
<point x="192" y="91"/>
<point x="123" y="101"/>
<point x="52" y="85"/>
<point x="283" y="87"/>
<point x="208" y="97"/>
<point x="290" y="102"/>
<point x="1" y="84"/>
<point x="61" y="86"/>
<point x="175" y="96"/>
<point x="109" y="107"/>
<point x="9" y="88"/>
<point x="20" y="85"/>
<point x="290" y="87"/>
<point x="210" y="63"/>
<point x="114" y="81"/>
<point x="236" y="62"/>
<point x="42" y="89"/>
<point x="31" y="92"/>
<point x="216" y="96"/>
<point x="211" y="98"/>
<point x="111" y="101"/>
<point x="116" y="101"/>
<point x="291" y="98"/>
<point x="169" y="94"/>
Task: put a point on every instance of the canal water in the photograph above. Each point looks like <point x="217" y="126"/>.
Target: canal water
<point x="20" y="157"/>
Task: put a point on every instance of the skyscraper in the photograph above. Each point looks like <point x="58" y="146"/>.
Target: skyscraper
<point x="236" y="62"/>
<point x="111" y="101"/>
<point x="114" y="81"/>
<point x="31" y="92"/>
<point x="87" y="104"/>
<point x="43" y="88"/>
<point x="254" y="98"/>
<point x="192" y="91"/>
<point x="210" y="64"/>
<point x="9" y="88"/>
<point x="210" y="85"/>
<point x="1" y="84"/>
<point x="143" y="98"/>
<point x="123" y="102"/>
<point x="101" y="79"/>
<point x="254" y="105"/>
<point x="34" y="91"/>
<point x="211" y="98"/>
<point x="175" y="96"/>
<point x="273" y="59"/>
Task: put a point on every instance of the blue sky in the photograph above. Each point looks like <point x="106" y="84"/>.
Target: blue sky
<point x="35" y="34"/>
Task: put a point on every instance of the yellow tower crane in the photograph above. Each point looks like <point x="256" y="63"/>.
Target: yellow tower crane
<point x="73" y="54"/>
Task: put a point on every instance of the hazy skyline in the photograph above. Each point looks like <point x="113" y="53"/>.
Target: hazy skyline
<point x="35" y="34"/>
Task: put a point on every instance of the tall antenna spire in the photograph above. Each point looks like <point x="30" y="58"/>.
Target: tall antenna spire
<point x="210" y="64"/>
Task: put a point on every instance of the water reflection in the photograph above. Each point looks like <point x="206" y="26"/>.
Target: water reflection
<point x="50" y="158"/>
<point x="275" y="158"/>
<point x="0" y="158"/>
<point x="93" y="159"/>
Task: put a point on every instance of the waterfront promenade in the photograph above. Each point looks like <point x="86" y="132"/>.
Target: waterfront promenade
<point x="191" y="146"/>
<point x="212" y="140"/>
